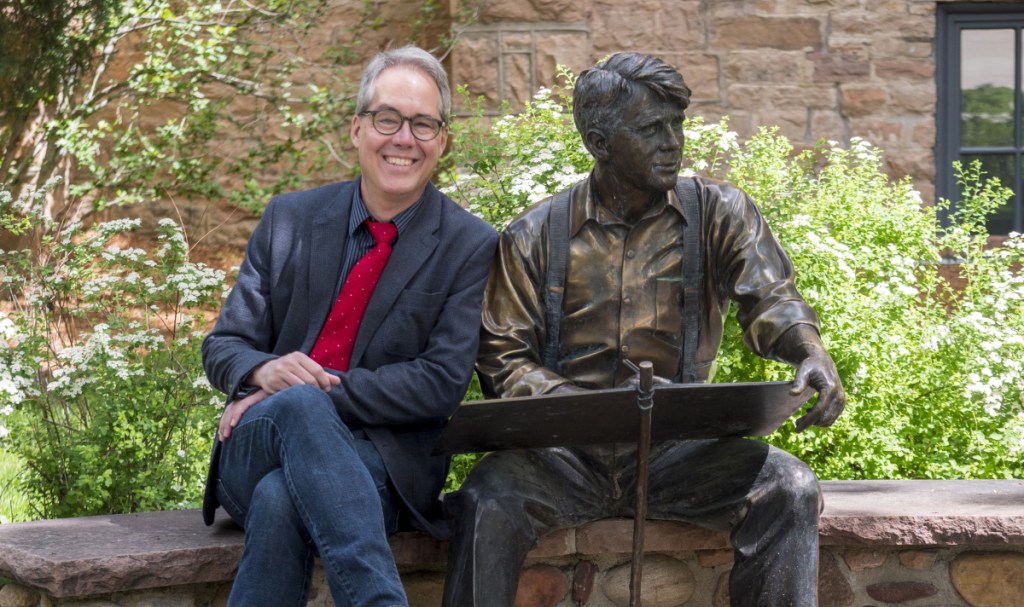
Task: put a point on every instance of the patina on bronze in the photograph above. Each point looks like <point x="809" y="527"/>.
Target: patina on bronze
<point x="652" y="262"/>
<point x="684" y="411"/>
<point x="645" y="402"/>
<point x="594" y="417"/>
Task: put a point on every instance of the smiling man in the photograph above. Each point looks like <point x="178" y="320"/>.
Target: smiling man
<point x="649" y="263"/>
<point x="346" y="343"/>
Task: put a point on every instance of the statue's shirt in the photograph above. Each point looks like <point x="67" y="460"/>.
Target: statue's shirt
<point x="622" y="295"/>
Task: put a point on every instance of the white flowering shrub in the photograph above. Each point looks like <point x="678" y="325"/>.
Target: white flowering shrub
<point x="521" y="159"/>
<point x="102" y="393"/>
<point x="925" y="321"/>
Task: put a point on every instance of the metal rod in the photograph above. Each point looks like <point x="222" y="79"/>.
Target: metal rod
<point x="645" y="402"/>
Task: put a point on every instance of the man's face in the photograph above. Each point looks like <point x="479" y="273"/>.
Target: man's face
<point x="396" y="168"/>
<point x="645" y="148"/>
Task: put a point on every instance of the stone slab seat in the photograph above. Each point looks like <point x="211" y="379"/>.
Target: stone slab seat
<point x="104" y="554"/>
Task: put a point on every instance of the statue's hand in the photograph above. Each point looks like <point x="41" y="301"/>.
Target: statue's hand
<point x="819" y="372"/>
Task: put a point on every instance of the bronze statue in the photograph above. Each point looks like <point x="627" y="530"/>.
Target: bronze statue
<point x="637" y="264"/>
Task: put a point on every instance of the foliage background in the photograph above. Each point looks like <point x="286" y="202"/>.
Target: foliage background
<point x="102" y="405"/>
<point x="924" y="320"/>
<point x="149" y="109"/>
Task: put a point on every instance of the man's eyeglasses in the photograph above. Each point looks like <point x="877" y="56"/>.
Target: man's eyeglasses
<point x="389" y="122"/>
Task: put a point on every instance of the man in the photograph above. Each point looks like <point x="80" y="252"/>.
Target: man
<point x="628" y="233"/>
<point x="340" y="380"/>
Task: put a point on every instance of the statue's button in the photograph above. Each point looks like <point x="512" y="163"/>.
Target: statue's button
<point x="630" y="254"/>
<point x="624" y="348"/>
<point x="627" y="300"/>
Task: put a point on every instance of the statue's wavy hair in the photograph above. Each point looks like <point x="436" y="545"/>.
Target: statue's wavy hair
<point x="601" y="90"/>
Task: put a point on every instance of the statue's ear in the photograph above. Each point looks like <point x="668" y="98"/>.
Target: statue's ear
<point x="597" y="144"/>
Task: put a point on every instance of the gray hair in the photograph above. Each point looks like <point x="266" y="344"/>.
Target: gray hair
<point x="406" y="56"/>
<point x="600" y="91"/>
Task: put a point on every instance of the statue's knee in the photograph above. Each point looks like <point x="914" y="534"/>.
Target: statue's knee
<point x="798" y="481"/>
<point x="481" y="508"/>
<point x="469" y="498"/>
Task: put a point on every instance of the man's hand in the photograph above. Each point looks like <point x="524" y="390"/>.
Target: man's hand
<point x="819" y="372"/>
<point x="234" y="411"/>
<point x="295" y="369"/>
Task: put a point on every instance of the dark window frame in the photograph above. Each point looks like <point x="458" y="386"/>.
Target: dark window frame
<point x="952" y="18"/>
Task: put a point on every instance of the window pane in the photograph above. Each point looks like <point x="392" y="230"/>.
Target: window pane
<point x="986" y="85"/>
<point x="1001" y="166"/>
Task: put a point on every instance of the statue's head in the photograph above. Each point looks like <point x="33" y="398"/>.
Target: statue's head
<point x="629" y="111"/>
<point x="602" y="92"/>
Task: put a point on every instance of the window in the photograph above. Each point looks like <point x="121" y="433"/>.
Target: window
<point x="979" y="62"/>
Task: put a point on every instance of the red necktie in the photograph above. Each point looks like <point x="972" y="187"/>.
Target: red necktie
<point x="333" y="348"/>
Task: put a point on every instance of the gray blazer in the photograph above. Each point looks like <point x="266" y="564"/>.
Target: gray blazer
<point x="414" y="353"/>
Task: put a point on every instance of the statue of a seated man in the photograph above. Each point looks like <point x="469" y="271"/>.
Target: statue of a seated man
<point x="637" y="264"/>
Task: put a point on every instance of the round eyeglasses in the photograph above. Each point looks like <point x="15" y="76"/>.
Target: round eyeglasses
<point x="389" y="122"/>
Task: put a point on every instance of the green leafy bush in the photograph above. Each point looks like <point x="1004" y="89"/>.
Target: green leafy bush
<point x="102" y="393"/>
<point x="925" y="322"/>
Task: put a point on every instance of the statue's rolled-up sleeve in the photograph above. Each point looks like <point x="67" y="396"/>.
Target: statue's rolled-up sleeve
<point x="753" y="270"/>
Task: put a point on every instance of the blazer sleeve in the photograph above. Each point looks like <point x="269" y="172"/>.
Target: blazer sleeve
<point x="243" y="337"/>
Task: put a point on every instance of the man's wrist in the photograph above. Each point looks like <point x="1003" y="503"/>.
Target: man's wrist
<point x="251" y="383"/>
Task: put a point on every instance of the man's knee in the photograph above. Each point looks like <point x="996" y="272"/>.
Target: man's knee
<point x="299" y="404"/>
<point x="270" y="501"/>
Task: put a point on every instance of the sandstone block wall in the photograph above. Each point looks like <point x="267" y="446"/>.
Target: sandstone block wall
<point x="915" y="543"/>
<point x="818" y="69"/>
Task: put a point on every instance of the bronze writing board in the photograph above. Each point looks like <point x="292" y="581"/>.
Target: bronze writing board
<point x="681" y="411"/>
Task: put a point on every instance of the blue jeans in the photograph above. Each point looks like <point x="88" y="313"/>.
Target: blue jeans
<point x="302" y="484"/>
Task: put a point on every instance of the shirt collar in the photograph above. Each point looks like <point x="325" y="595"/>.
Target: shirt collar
<point x="358" y="215"/>
<point x="584" y="207"/>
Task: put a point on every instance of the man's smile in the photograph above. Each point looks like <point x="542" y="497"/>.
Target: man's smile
<point x="403" y="162"/>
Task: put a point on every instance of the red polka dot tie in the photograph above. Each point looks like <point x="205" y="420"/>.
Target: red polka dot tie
<point x="333" y="348"/>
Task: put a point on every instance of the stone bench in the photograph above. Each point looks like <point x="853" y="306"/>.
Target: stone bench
<point x="923" y="543"/>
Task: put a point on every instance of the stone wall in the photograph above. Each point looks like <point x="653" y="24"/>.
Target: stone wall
<point x="849" y="577"/>
<point x="913" y="543"/>
<point x="817" y="69"/>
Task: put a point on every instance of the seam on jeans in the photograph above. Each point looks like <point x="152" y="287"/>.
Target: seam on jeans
<point x="303" y="511"/>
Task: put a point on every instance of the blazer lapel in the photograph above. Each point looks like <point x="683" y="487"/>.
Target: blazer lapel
<point x="328" y="235"/>
<point x="410" y="252"/>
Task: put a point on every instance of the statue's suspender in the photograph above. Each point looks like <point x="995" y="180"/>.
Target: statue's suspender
<point x="693" y="273"/>
<point x="554" y="288"/>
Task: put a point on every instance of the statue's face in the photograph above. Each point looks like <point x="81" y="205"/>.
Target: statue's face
<point x="645" y="148"/>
